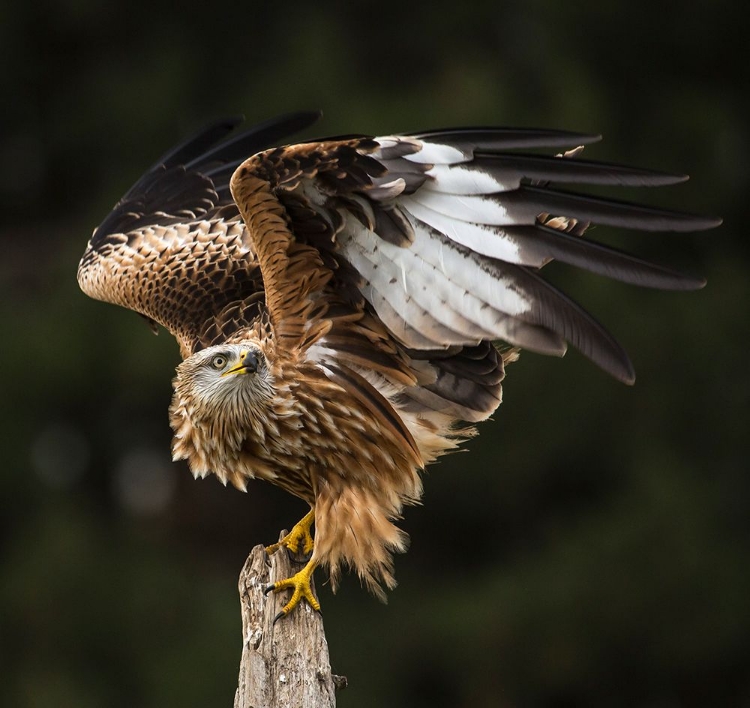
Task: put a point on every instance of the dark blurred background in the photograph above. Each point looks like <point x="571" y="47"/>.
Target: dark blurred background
<point x="593" y="547"/>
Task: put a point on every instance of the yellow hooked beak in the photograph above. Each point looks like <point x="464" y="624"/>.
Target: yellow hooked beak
<point x="248" y="364"/>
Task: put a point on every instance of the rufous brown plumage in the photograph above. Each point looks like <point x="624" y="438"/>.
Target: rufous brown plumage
<point x="346" y="308"/>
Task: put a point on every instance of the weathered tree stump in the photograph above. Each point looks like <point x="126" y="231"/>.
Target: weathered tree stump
<point x="283" y="665"/>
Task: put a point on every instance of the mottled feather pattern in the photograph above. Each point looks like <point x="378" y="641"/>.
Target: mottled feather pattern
<point x="183" y="276"/>
<point x="382" y="285"/>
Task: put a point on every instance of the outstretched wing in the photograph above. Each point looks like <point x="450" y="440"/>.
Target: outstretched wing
<point x="174" y="248"/>
<point x="397" y="260"/>
<point x="439" y="238"/>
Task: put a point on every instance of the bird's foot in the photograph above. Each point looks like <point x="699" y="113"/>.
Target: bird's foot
<point x="300" y="584"/>
<point x="299" y="540"/>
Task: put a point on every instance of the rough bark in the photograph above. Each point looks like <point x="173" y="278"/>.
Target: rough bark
<point x="286" y="664"/>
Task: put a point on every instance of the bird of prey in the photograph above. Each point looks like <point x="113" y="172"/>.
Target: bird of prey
<point x="345" y="308"/>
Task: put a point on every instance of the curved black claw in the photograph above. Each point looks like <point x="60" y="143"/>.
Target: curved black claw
<point x="300" y="584"/>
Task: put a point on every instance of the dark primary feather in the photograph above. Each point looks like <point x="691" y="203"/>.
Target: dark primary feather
<point x="258" y="137"/>
<point x="496" y="139"/>
<point x="555" y="169"/>
<point x="526" y="203"/>
<point x="540" y="244"/>
<point x="556" y="311"/>
<point x="199" y="143"/>
<point x="193" y="177"/>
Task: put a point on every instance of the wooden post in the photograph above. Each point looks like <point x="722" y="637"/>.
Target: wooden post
<point x="283" y="665"/>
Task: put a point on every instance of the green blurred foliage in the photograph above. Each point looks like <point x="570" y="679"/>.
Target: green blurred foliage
<point x="592" y="547"/>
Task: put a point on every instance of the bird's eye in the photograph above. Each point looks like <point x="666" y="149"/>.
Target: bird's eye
<point x="219" y="361"/>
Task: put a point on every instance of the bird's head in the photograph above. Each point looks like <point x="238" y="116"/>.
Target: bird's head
<point x="226" y="375"/>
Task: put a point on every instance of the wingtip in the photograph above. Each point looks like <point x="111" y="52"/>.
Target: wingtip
<point x="228" y="122"/>
<point x="680" y="281"/>
<point x="703" y="223"/>
<point x="311" y="116"/>
<point x="588" y="138"/>
<point x="664" y="179"/>
<point x="624" y="372"/>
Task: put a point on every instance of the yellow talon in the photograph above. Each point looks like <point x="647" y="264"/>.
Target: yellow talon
<point x="299" y="539"/>
<point x="300" y="583"/>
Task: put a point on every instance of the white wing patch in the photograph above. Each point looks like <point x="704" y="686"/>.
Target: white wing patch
<point x="479" y="209"/>
<point x="482" y="238"/>
<point x="457" y="179"/>
<point x="451" y="298"/>
<point x="433" y="153"/>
